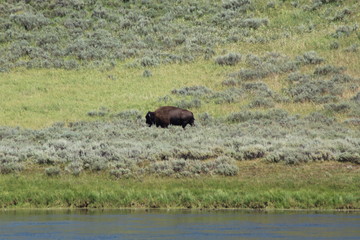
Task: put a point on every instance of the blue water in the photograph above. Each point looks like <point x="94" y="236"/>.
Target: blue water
<point x="141" y="224"/>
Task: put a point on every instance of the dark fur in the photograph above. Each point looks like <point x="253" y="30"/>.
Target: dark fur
<point x="164" y="116"/>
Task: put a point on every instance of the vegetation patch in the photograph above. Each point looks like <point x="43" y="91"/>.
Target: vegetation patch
<point x="125" y="146"/>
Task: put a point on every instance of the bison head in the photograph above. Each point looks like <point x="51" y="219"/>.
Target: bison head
<point x="150" y="118"/>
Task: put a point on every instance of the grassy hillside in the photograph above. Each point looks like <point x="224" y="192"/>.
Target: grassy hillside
<point x="268" y="82"/>
<point x="63" y="59"/>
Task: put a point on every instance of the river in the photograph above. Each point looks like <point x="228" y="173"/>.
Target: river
<point x="177" y="224"/>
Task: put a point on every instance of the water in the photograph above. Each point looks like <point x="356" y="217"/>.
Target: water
<point x="207" y="225"/>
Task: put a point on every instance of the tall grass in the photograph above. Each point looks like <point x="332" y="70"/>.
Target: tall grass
<point x="38" y="98"/>
<point x="321" y="186"/>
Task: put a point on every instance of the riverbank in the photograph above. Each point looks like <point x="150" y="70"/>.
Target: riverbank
<point x="259" y="185"/>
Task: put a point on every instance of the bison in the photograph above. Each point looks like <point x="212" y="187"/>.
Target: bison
<point x="164" y="116"/>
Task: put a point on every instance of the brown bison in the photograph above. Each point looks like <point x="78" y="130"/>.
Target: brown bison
<point x="164" y="116"/>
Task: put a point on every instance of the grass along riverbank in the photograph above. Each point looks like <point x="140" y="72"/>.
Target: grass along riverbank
<point x="259" y="185"/>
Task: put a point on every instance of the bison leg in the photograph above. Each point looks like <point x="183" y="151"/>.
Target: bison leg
<point x="161" y="124"/>
<point x="164" y="125"/>
<point x="185" y="123"/>
<point x="191" y="122"/>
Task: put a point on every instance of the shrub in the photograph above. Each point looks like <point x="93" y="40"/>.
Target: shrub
<point x="252" y="152"/>
<point x="227" y="96"/>
<point x="165" y="99"/>
<point x="99" y="113"/>
<point x="344" y="31"/>
<point x="262" y="103"/>
<point x="121" y="173"/>
<point x="71" y="64"/>
<point x="255" y="86"/>
<point x="147" y="73"/>
<point x="340" y="15"/>
<point x="77" y="23"/>
<point x="352" y="48"/>
<point x="95" y="163"/>
<point x="230" y="59"/>
<point x="195" y="103"/>
<point x="253" y="60"/>
<point x="319" y="118"/>
<point x="306" y="154"/>
<point x="30" y="21"/>
<point x="334" y="45"/>
<point x="328" y="69"/>
<point x="149" y="61"/>
<point x="274" y="157"/>
<point x="320" y="154"/>
<point x="236" y="4"/>
<point x="354" y="110"/>
<point x="298" y="77"/>
<point x="271" y="4"/>
<point x="338" y="108"/>
<point x="43" y="157"/>
<point x="52" y="171"/>
<point x="250" y="74"/>
<point x="310" y="58"/>
<point x="10" y="167"/>
<point x="192" y="91"/>
<point x="326" y="1"/>
<point x="349" y="157"/>
<point x="270" y="63"/>
<point x="161" y="168"/>
<point x="225" y="166"/>
<point x="193" y="153"/>
<point x="356" y="98"/>
<point x="341" y="78"/>
<point x="204" y="118"/>
<point x="128" y="114"/>
<point x="318" y="91"/>
<point x="180" y="167"/>
<point x="353" y="122"/>
<point x="254" y="23"/>
<point x="47" y="39"/>
<point x="244" y="116"/>
<point x="288" y="156"/>
<point x="74" y="168"/>
<point x="230" y="82"/>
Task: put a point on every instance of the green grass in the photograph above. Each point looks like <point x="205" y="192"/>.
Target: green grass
<point x="312" y="186"/>
<point x="38" y="98"/>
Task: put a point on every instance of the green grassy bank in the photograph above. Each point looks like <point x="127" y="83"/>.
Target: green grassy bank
<point x="328" y="185"/>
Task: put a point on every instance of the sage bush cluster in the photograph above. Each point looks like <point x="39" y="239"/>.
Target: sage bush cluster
<point x="70" y="34"/>
<point x="85" y="33"/>
<point x="324" y="85"/>
<point x="126" y="147"/>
